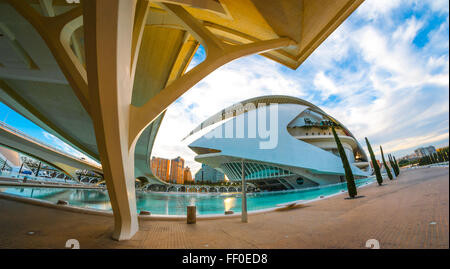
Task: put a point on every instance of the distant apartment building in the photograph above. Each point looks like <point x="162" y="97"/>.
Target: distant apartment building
<point x="207" y="173"/>
<point x="187" y="177"/>
<point x="425" y="151"/>
<point x="177" y="170"/>
<point x="409" y="157"/>
<point x="161" y="168"/>
<point x="172" y="171"/>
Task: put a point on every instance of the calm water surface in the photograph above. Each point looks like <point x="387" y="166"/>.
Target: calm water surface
<point x="175" y="203"/>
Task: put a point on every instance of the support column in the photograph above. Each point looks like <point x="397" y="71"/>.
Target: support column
<point x="244" y="196"/>
<point x="108" y="28"/>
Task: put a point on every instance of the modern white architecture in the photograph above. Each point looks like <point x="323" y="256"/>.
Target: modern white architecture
<point x="288" y="144"/>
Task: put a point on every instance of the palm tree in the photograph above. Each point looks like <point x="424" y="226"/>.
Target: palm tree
<point x="375" y="164"/>
<point x="351" y="187"/>
<point x="388" y="171"/>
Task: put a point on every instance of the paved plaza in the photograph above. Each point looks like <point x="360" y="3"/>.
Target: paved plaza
<point x="410" y="212"/>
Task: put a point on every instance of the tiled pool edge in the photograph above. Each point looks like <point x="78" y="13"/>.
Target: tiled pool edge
<point x="98" y="212"/>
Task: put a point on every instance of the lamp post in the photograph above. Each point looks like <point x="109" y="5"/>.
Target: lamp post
<point x="244" y="196"/>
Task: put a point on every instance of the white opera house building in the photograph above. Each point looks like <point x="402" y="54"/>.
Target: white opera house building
<point x="286" y="144"/>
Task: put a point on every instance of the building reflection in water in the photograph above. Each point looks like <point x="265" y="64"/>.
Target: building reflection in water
<point x="229" y="203"/>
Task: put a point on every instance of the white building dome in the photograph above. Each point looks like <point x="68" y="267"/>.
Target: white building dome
<point x="285" y="142"/>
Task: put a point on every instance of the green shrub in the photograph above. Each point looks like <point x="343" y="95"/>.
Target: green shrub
<point x="391" y="161"/>
<point x="351" y="186"/>
<point x="396" y="165"/>
<point x="375" y="164"/>
<point x="388" y="171"/>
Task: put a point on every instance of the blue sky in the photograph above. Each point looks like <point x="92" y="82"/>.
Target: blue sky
<point x="21" y="123"/>
<point x="384" y="73"/>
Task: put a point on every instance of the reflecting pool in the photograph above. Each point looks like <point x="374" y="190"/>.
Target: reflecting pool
<point x="175" y="203"/>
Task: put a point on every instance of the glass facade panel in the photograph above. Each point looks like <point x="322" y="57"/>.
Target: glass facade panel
<point x="253" y="171"/>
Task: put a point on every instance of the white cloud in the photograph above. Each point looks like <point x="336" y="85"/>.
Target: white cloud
<point x="415" y="141"/>
<point x="439" y="5"/>
<point x="374" y="9"/>
<point x="325" y="85"/>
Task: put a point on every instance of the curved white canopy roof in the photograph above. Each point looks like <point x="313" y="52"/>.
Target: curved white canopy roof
<point x="236" y="110"/>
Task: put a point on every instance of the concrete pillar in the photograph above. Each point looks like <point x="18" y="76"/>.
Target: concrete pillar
<point x="113" y="30"/>
<point x="110" y="81"/>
